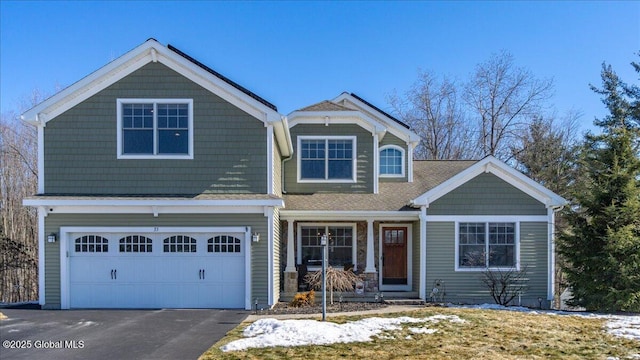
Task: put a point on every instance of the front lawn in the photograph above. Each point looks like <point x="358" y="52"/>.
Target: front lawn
<point x="485" y="334"/>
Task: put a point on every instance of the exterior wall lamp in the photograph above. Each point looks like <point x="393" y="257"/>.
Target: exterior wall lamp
<point x="255" y="237"/>
<point x="51" y="238"/>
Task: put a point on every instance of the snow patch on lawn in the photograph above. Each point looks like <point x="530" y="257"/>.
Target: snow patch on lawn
<point x="626" y="326"/>
<point x="271" y="332"/>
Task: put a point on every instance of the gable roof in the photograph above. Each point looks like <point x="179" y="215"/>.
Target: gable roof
<point x="379" y="110"/>
<point x="349" y="108"/>
<point x="152" y="51"/>
<point x="503" y="171"/>
<point x="147" y="52"/>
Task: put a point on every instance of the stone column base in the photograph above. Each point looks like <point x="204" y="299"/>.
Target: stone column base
<point x="371" y="282"/>
<point x="290" y="282"/>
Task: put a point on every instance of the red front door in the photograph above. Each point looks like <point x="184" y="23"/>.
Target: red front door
<point x="394" y="256"/>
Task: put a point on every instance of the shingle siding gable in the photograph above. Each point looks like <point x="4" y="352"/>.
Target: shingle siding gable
<point x="229" y="145"/>
<point x="487" y="194"/>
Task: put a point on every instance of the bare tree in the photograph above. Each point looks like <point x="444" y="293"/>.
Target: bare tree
<point x="504" y="98"/>
<point x="18" y="224"/>
<point x="433" y="110"/>
<point x="18" y="237"/>
<point x="546" y="151"/>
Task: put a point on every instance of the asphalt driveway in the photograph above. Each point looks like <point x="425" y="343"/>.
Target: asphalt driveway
<point x="113" y="334"/>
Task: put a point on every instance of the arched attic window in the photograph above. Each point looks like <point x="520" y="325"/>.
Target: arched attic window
<point x="391" y="161"/>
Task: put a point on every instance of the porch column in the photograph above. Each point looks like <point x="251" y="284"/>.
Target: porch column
<point x="291" y="252"/>
<point x="290" y="272"/>
<point x="371" y="260"/>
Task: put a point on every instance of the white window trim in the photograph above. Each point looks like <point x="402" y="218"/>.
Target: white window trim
<point x="120" y="102"/>
<point x="354" y="250"/>
<point x="486" y="221"/>
<point x="354" y="160"/>
<point x="402" y="153"/>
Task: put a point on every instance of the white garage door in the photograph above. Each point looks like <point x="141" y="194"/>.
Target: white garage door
<point x="156" y="270"/>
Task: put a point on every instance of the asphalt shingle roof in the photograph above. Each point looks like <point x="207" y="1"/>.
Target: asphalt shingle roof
<point x="392" y="196"/>
<point x="326" y="106"/>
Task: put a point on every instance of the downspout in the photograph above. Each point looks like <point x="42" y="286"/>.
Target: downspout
<point x="284" y="191"/>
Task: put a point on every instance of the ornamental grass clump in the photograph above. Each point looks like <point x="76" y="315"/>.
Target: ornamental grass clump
<point x="337" y="280"/>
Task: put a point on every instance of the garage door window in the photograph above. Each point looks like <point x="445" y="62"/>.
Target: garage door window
<point x="92" y="243"/>
<point x="179" y="243"/>
<point x="136" y="243"/>
<point x="224" y="243"/>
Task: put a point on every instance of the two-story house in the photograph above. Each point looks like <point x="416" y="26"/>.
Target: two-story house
<point x="163" y="184"/>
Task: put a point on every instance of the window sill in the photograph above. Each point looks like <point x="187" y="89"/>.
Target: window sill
<point x="514" y="268"/>
<point x="319" y="181"/>
<point x="396" y="176"/>
<point x="156" y="157"/>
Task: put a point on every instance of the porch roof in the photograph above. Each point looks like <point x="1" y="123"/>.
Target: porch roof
<point x="392" y="196"/>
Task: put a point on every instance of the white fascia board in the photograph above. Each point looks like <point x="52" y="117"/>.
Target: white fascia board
<point x="393" y="127"/>
<point x="503" y="171"/>
<point x="329" y="215"/>
<point x="149" y="51"/>
<point x="283" y="137"/>
<point x="149" y="202"/>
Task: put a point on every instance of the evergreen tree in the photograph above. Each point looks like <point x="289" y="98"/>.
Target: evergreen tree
<point x="603" y="244"/>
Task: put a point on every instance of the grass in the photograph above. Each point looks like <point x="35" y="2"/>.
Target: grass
<point x="487" y="334"/>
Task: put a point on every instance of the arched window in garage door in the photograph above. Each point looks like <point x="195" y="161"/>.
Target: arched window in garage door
<point x="91" y="243"/>
<point x="136" y="243"/>
<point x="179" y="243"/>
<point x="224" y="243"/>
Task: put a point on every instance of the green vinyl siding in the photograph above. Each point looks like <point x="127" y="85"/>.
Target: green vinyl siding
<point x="229" y="145"/>
<point x="487" y="194"/>
<point x="390" y="139"/>
<point x="364" y="168"/>
<point x="466" y="286"/>
<point x="257" y="222"/>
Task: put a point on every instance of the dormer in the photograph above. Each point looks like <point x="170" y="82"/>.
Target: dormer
<point x="347" y="145"/>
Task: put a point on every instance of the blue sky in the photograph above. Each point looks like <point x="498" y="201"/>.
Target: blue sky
<point x="295" y="54"/>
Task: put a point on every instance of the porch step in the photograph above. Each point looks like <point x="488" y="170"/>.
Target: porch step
<point x="395" y="298"/>
<point x="404" y="302"/>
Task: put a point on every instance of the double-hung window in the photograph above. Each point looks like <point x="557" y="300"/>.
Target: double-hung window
<point x="486" y="245"/>
<point x="340" y="244"/>
<point x="155" y="128"/>
<point x="330" y="159"/>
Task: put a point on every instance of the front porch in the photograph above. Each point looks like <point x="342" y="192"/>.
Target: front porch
<point x="383" y="251"/>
